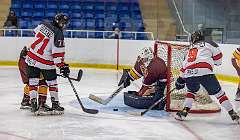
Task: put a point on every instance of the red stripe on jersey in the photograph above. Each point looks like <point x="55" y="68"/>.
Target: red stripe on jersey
<point x="223" y="98"/>
<point x="60" y="64"/>
<point x="217" y="57"/>
<point x="35" y="57"/>
<point x="58" y="55"/>
<point x="190" y="95"/>
<point x="198" y="65"/>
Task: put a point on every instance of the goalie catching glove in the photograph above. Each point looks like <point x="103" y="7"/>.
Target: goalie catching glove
<point x="64" y="70"/>
<point x="180" y="83"/>
<point x="125" y="79"/>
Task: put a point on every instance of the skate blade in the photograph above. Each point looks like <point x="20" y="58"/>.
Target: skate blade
<point x="237" y="99"/>
<point x="237" y="121"/>
<point x="25" y="107"/>
<point x="54" y="112"/>
<point x="179" y="118"/>
<point x="43" y="113"/>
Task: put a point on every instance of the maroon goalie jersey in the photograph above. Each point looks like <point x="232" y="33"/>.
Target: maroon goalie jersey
<point x="155" y="71"/>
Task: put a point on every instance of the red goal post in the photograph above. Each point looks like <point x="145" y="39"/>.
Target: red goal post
<point x="173" y="54"/>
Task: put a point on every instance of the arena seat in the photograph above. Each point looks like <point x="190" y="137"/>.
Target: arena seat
<point x="84" y="14"/>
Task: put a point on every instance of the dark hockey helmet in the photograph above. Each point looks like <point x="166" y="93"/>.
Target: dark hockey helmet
<point x="196" y="36"/>
<point x="61" y="20"/>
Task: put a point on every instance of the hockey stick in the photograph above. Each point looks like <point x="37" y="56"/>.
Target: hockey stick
<point x="79" y="77"/>
<point x="106" y="101"/>
<point x="151" y="107"/>
<point x="91" y="111"/>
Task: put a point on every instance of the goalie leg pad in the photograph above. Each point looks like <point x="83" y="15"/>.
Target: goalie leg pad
<point x="142" y="102"/>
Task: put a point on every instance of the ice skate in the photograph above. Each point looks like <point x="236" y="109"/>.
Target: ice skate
<point x="34" y="106"/>
<point x="237" y="96"/>
<point x="181" y="115"/>
<point x="234" y="116"/>
<point x="57" y="109"/>
<point x="44" y="109"/>
<point x="25" y="104"/>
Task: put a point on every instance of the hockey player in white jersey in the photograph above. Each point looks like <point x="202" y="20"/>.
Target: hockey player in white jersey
<point x="197" y="69"/>
<point x="47" y="52"/>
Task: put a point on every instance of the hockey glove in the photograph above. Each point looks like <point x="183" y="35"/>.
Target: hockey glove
<point x="180" y="83"/>
<point x="23" y="52"/>
<point x="64" y="70"/>
<point x="125" y="79"/>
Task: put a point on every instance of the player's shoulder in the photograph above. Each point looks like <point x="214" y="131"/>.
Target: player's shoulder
<point x="158" y="61"/>
<point x="212" y="43"/>
<point x="52" y="27"/>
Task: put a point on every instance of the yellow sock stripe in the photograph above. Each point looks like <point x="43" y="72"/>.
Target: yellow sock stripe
<point x="26" y="90"/>
<point x="134" y="75"/>
<point x="42" y="90"/>
<point x="236" y="55"/>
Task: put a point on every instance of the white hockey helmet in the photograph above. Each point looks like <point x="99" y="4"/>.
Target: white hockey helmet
<point x="146" y="55"/>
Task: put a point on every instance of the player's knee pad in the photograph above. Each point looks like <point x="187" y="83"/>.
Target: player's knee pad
<point x="53" y="89"/>
<point x="33" y="87"/>
<point x="33" y="81"/>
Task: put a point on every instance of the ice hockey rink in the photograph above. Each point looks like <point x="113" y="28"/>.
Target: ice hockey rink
<point x="75" y="124"/>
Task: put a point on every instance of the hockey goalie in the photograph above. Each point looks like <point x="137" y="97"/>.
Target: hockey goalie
<point x="154" y="72"/>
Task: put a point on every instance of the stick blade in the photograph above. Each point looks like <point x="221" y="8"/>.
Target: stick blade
<point x="90" y="111"/>
<point x="97" y="99"/>
<point x="135" y="113"/>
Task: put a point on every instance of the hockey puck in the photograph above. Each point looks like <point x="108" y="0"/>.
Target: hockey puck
<point x="115" y="109"/>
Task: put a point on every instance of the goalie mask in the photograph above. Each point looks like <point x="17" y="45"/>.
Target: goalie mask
<point x="146" y="56"/>
<point x="61" y="20"/>
<point x="196" y="37"/>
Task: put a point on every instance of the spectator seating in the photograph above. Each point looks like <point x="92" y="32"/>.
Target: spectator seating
<point x="84" y="14"/>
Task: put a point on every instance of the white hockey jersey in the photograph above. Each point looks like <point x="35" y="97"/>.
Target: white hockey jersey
<point x="201" y="59"/>
<point x="48" y="49"/>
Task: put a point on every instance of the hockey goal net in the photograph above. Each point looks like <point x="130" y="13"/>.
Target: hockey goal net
<point x="173" y="55"/>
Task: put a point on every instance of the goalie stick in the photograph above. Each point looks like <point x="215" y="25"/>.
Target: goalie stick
<point x="90" y="111"/>
<point x="79" y="77"/>
<point x="106" y="101"/>
<point x="151" y="107"/>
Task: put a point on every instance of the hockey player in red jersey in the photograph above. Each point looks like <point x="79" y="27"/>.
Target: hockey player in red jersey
<point x="45" y="53"/>
<point x="154" y="72"/>
<point x="42" y="89"/>
<point x="236" y="65"/>
<point x="197" y="69"/>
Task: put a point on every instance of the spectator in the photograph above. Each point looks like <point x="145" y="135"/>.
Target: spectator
<point x="115" y="34"/>
<point x="12" y="21"/>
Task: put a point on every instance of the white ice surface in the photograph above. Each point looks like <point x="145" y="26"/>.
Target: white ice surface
<point x="16" y="124"/>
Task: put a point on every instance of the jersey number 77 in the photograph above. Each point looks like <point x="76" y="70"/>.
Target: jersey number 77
<point x="41" y="38"/>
